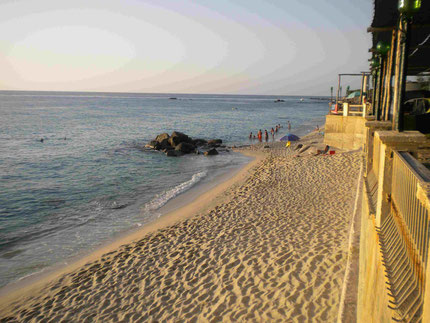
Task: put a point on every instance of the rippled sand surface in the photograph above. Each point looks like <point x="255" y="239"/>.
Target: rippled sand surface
<point x="273" y="249"/>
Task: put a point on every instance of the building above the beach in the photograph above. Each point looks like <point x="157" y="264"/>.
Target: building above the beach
<point x="393" y="131"/>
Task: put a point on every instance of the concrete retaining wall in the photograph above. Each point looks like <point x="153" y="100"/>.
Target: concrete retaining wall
<point x="344" y="132"/>
<point x="372" y="303"/>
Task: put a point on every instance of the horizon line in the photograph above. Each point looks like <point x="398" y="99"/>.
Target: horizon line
<point x="176" y="93"/>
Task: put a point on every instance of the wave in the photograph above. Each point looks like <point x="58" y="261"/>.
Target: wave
<point x="161" y="199"/>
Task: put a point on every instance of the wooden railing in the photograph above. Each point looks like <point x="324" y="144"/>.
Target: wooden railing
<point x="347" y="109"/>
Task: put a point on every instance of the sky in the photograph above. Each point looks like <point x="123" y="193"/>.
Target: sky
<point x="294" y="47"/>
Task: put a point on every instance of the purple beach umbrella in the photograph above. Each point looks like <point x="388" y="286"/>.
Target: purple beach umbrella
<point x="289" y="137"/>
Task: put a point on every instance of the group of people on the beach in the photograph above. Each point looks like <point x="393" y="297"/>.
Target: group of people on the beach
<point x="273" y="132"/>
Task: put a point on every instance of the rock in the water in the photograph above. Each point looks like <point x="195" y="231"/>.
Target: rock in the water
<point x="211" y="152"/>
<point x="164" y="144"/>
<point x="199" y="142"/>
<point x="177" y="137"/>
<point x="165" y="150"/>
<point x="174" y="153"/>
<point x="185" y="147"/>
<point x="178" y="144"/>
<point x="214" y="142"/>
<point x="153" y="145"/>
<point x="160" y="138"/>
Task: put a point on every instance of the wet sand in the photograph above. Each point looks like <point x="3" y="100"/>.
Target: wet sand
<point x="268" y="245"/>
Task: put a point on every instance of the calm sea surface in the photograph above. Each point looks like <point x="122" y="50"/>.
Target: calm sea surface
<point x="91" y="179"/>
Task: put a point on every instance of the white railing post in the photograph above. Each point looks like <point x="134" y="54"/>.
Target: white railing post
<point x="345" y="109"/>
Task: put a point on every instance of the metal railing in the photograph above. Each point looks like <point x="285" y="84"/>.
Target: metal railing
<point x="408" y="173"/>
<point x="404" y="237"/>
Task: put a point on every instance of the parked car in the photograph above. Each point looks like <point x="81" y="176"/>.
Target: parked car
<point x="417" y="114"/>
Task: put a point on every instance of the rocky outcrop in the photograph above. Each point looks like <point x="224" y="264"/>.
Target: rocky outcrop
<point x="185" y="147"/>
<point x="153" y="144"/>
<point x="211" y="152"/>
<point x="162" y="137"/>
<point x="199" y="142"/>
<point x="178" y="144"/>
<point x="174" y="153"/>
<point x="177" y="137"/>
<point x="215" y="143"/>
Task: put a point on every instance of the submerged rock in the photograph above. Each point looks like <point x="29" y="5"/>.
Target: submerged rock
<point x="174" y="153"/>
<point x="211" y="152"/>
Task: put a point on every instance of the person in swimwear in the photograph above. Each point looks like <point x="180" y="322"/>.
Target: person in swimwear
<point x="260" y="135"/>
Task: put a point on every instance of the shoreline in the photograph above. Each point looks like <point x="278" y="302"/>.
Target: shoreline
<point x="183" y="206"/>
<point x="269" y="244"/>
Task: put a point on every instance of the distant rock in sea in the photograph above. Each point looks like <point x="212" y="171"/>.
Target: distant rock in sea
<point x="178" y="144"/>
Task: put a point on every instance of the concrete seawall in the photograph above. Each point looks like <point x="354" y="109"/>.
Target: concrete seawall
<point x="372" y="302"/>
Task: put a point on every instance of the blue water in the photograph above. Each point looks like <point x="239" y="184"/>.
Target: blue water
<point x="91" y="179"/>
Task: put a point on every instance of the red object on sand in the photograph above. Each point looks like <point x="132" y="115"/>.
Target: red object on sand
<point x="331" y="152"/>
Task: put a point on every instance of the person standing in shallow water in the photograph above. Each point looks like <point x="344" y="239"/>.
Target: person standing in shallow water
<point x="266" y="135"/>
<point x="260" y="135"/>
<point x="289" y="126"/>
<point x="250" y="136"/>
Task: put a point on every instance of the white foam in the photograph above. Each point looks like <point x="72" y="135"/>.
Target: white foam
<point x="161" y="199"/>
<point x="31" y="274"/>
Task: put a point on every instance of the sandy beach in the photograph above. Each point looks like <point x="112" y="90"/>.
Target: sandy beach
<point x="270" y="244"/>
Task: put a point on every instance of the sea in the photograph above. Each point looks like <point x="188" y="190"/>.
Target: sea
<point x="92" y="180"/>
